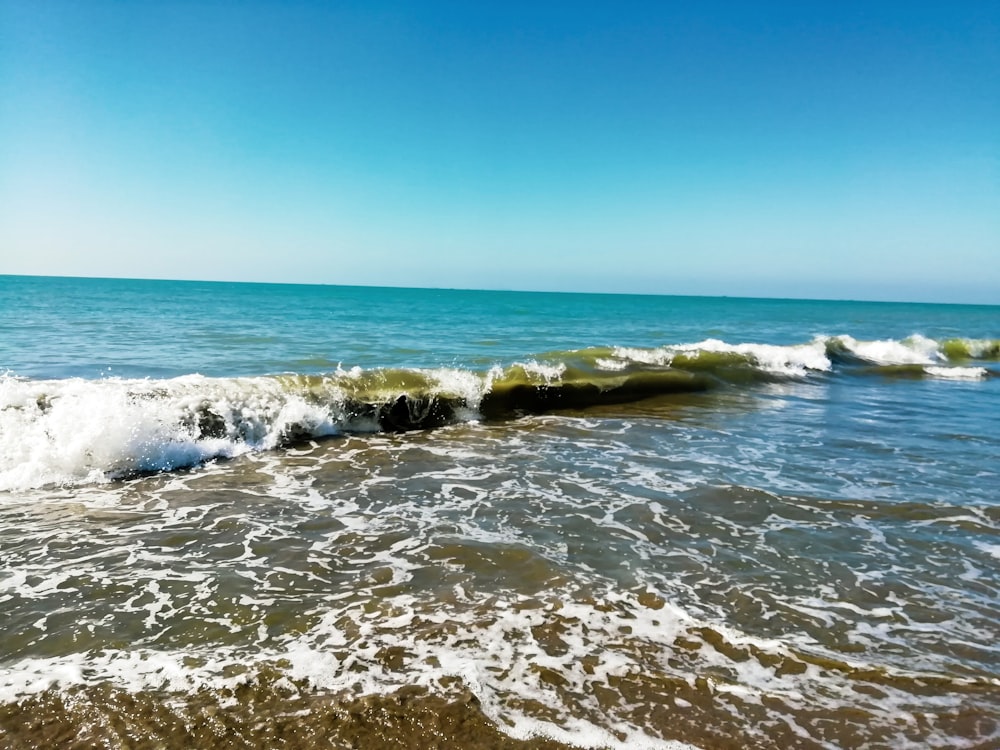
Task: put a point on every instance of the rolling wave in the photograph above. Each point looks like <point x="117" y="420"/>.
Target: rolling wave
<point x="77" y="431"/>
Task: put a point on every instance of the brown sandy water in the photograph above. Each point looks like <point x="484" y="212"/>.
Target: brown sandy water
<point x="631" y="576"/>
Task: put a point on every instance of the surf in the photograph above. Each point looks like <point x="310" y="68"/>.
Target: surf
<point x="77" y="430"/>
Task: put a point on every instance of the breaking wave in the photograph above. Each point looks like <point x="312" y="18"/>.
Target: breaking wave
<point x="77" y="431"/>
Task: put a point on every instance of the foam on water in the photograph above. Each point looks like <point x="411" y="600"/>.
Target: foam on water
<point x="795" y="360"/>
<point x="957" y="373"/>
<point x="991" y="549"/>
<point x="78" y="431"/>
<point x="791" y="360"/>
<point x="500" y="652"/>
<point x="916" y="349"/>
<point x="408" y="563"/>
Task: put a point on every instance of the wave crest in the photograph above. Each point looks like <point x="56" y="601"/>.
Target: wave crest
<point x="79" y="431"/>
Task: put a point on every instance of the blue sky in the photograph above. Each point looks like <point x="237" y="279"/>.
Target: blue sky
<point x="833" y="150"/>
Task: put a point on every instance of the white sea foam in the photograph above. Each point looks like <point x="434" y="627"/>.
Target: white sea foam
<point x="957" y="373"/>
<point x="795" y="360"/>
<point x="991" y="549"/>
<point x="799" y="359"/>
<point x="490" y="659"/>
<point x="980" y="348"/>
<point x="80" y="431"/>
<point x="915" y="350"/>
<point x="77" y="431"/>
<point x="388" y="520"/>
<point x="466" y="384"/>
<point x="608" y="363"/>
<point x="549" y="373"/>
<point x="494" y="653"/>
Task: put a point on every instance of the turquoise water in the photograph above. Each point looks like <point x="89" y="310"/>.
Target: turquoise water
<point x="605" y="520"/>
<point x="58" y="327"/>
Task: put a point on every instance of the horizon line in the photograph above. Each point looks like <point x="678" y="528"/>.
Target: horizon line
<point x="500" y="290"/>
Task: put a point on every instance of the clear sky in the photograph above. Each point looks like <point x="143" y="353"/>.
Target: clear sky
<point x="803" y="149"/>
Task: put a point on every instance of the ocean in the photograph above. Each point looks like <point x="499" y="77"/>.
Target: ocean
<point x="257" y="516"/>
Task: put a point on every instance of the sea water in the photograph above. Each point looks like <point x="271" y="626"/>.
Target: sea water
<point x="251" y="515"/>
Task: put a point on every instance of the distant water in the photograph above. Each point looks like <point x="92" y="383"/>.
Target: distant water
<point x="250" y="515"/>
